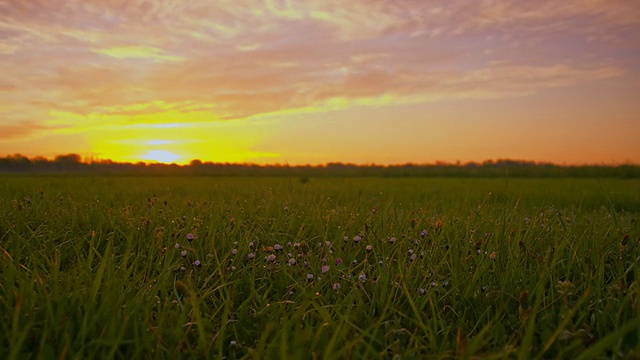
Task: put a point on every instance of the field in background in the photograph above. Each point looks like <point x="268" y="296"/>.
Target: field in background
<point x="319" y="267"/>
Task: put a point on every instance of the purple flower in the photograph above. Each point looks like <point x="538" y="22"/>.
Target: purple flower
<point x="310" y="277"/>
<point x="369" y="248"/>
<point x="414" y="257"/>
<point x="336" y="286"/>
<point x="325" y="268"/>
<point x="183" y="253"/>
<point x="251" y="256"/>
<point x="424" y="233"/>
<point x="345" y="238"/>
<point x="233" y="268"/>
<point x="271" y="258"/>
<point x="277" y="247"/>
<point x="422" y="291"/>
<point x="355" y="261"/>
<point x="292" y="261"/>
<point x="197" y="263"/>
<point x="182" y="268"/>
<point x="251" y="244"/>
<point x="234" y="251"/>
<point x="339" y="261"/>
<point x="177" y="246"/>
<point x="392" y="240"/>
<point x="362" y="277"/>
<point x="190" y="237"/>
<point x="357" y="239"/>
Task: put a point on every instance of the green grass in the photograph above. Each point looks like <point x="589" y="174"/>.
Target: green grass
<point x="524" y="268"/>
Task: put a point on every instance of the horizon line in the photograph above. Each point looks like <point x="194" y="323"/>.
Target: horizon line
<point x="89" y="160"/>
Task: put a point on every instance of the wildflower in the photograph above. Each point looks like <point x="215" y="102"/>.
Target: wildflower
<point x="413" y="257"/>
<point x="251" y="256"/>
<point x="355" y="261"/>
<point x="310" y="277"/>
<point x="345" y="238"/>
<point x="362" y="277"/>
<point x="392" y="240"/>
<point x="296" y="245"/>
<point x="336" y="286"/>
<point x="339" y="261"/>
<point x="234" y="251"/>
<point x="251" y="244"/>
<point x="289" y="243"/>
<point x="445" y="283"/>
<point x="182" y="268"/>
<point x="434" y="284"/>
<point x="277" y="247"/>
<point x="233" y="343"/>
<point x="422" y="291"/>
<point x="493" y="256"/>
<point x="292" y="261"/>
<point x="410" y="251"/>
<point x="373" y="211"/>
<point x="424" y="233"/>
<point x="271" y="258"/>
<point x="197" y="263"/>
<point x="369" y="248"/>
<point x="325" y="268"/>
<point x="327" y="243"/>
<point x="233" y="268"/>
<point x="183" y="253"/>
<point x="190" y="237"/>
<point x="357" y="239"/>
<point x="177" y="246"/>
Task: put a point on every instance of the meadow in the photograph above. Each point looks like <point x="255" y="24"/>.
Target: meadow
<point x="318" y="268"/>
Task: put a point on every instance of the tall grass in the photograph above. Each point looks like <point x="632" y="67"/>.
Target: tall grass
<point x="92" y="267"/>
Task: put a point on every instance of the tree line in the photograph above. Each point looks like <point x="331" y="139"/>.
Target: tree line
<point x="73" y="164"/>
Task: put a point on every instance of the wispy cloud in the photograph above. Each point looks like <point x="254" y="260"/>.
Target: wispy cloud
<point x="87" y="65"/>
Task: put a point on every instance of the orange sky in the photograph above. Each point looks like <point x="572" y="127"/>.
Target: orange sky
<point x="359" y="81"/>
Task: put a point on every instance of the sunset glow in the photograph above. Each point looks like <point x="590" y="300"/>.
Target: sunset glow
<point x="364" y="81"/>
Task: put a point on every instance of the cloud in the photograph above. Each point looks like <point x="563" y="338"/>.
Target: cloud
<point x="138" y="52"/>
<point x="91" y="63"/>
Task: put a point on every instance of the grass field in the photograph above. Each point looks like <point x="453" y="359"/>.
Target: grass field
<point x="330" y="268"/>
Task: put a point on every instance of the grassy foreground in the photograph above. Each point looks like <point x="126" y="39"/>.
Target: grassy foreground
<point x="330" y="268"/>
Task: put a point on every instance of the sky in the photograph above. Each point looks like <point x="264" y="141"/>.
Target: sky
<point x="319" y="81"/>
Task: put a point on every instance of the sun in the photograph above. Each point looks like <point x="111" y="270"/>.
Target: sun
<point x="162" y="156"/>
